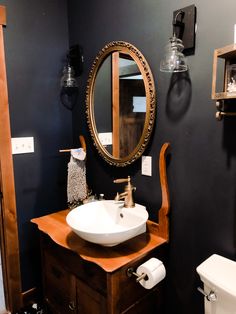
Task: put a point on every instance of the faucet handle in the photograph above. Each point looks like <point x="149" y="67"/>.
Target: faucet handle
<point x="117" y="197"/>
<point x="122" y="180"/>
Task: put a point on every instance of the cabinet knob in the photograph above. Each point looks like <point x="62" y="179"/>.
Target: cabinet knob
<point x="72" y="305"/>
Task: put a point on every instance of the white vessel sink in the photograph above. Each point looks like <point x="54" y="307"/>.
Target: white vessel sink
<point x="107" y="222"/>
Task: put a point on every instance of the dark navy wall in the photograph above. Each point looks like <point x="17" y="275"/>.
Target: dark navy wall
<point x="36" y="41"/>
<point x="202" y="164"/>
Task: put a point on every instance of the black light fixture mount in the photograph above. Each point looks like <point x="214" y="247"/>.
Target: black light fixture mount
<point x="182" y="41"/>
<point x="184" y="27"/>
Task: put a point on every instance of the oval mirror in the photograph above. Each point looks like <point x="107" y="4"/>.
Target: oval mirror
<point x="120" y="103"/>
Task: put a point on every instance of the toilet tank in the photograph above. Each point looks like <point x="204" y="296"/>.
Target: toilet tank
<point x="218" y="275"/>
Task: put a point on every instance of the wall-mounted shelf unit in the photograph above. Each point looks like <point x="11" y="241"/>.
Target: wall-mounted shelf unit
<point x="227" y="53"/>
<point x="228" y="78"/>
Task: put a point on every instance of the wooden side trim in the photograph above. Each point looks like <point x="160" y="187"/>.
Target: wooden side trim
<point x="2" y="15"/>
<point x="214" y="71"/>
<point x="115" y="106"/>
<point x="82" y="142"/>
<point x="163" y="219"/>
<point x="114" y="293"/>
<point x="9" y="230"/>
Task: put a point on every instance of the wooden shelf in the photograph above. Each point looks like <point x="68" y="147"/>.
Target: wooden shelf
<point x="224" y="95"/>
<point x="228" y="53"/>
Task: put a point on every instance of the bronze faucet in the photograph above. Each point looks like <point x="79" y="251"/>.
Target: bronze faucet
<point x="127" y="195"/>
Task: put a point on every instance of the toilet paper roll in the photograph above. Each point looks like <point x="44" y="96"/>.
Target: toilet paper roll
<point x="155" y="271"/>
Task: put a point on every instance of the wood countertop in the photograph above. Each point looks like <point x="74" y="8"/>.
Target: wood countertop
<point x="108" y="258"/>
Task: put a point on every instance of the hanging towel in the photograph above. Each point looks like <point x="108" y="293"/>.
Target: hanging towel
<point x="76" y="178"/>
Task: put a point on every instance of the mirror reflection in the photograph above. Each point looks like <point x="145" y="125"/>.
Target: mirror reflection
<point x="120" y="103"/>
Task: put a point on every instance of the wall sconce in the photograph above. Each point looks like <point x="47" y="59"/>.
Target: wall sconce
<point x="182" y="40"/>
<point x="69" y="83"/>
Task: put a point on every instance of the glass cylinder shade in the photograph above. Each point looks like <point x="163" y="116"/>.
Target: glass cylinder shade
<point x="68" y="79"/>
<point x="174" y="60"/>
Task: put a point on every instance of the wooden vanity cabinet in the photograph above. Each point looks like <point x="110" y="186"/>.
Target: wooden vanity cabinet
<point x="64" y="285"/>
<point x="74" y="285"/>
<point x="85" y="278"/>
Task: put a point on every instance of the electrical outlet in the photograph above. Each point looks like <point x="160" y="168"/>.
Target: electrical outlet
<point x="147" y="166"/>
<point x="22" y="145"/>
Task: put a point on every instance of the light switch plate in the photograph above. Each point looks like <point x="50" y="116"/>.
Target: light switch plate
<point x="147" y="166"/>
<point x="22" y="145"/>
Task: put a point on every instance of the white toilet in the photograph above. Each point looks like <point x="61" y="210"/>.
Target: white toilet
<point x="218" y="275"/>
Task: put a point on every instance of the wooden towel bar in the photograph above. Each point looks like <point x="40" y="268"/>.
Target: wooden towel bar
<point x="82" y="142"/>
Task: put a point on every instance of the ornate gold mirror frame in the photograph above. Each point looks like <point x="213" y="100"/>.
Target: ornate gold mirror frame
<point x="126" y="49"/>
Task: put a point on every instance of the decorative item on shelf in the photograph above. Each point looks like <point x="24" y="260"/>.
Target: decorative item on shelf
<point x="231" y="79"/>
<point x="182" y="40"/>
<point x="224" y="76"/>
<point x="72" y="69"/>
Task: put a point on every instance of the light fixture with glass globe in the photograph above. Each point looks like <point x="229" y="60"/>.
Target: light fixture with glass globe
<point x="174" y="59"/>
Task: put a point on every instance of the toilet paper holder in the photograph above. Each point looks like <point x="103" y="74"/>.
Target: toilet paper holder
<point x="130" y="272"/>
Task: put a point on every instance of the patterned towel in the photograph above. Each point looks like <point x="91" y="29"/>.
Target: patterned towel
<point x="76" y="178"/>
